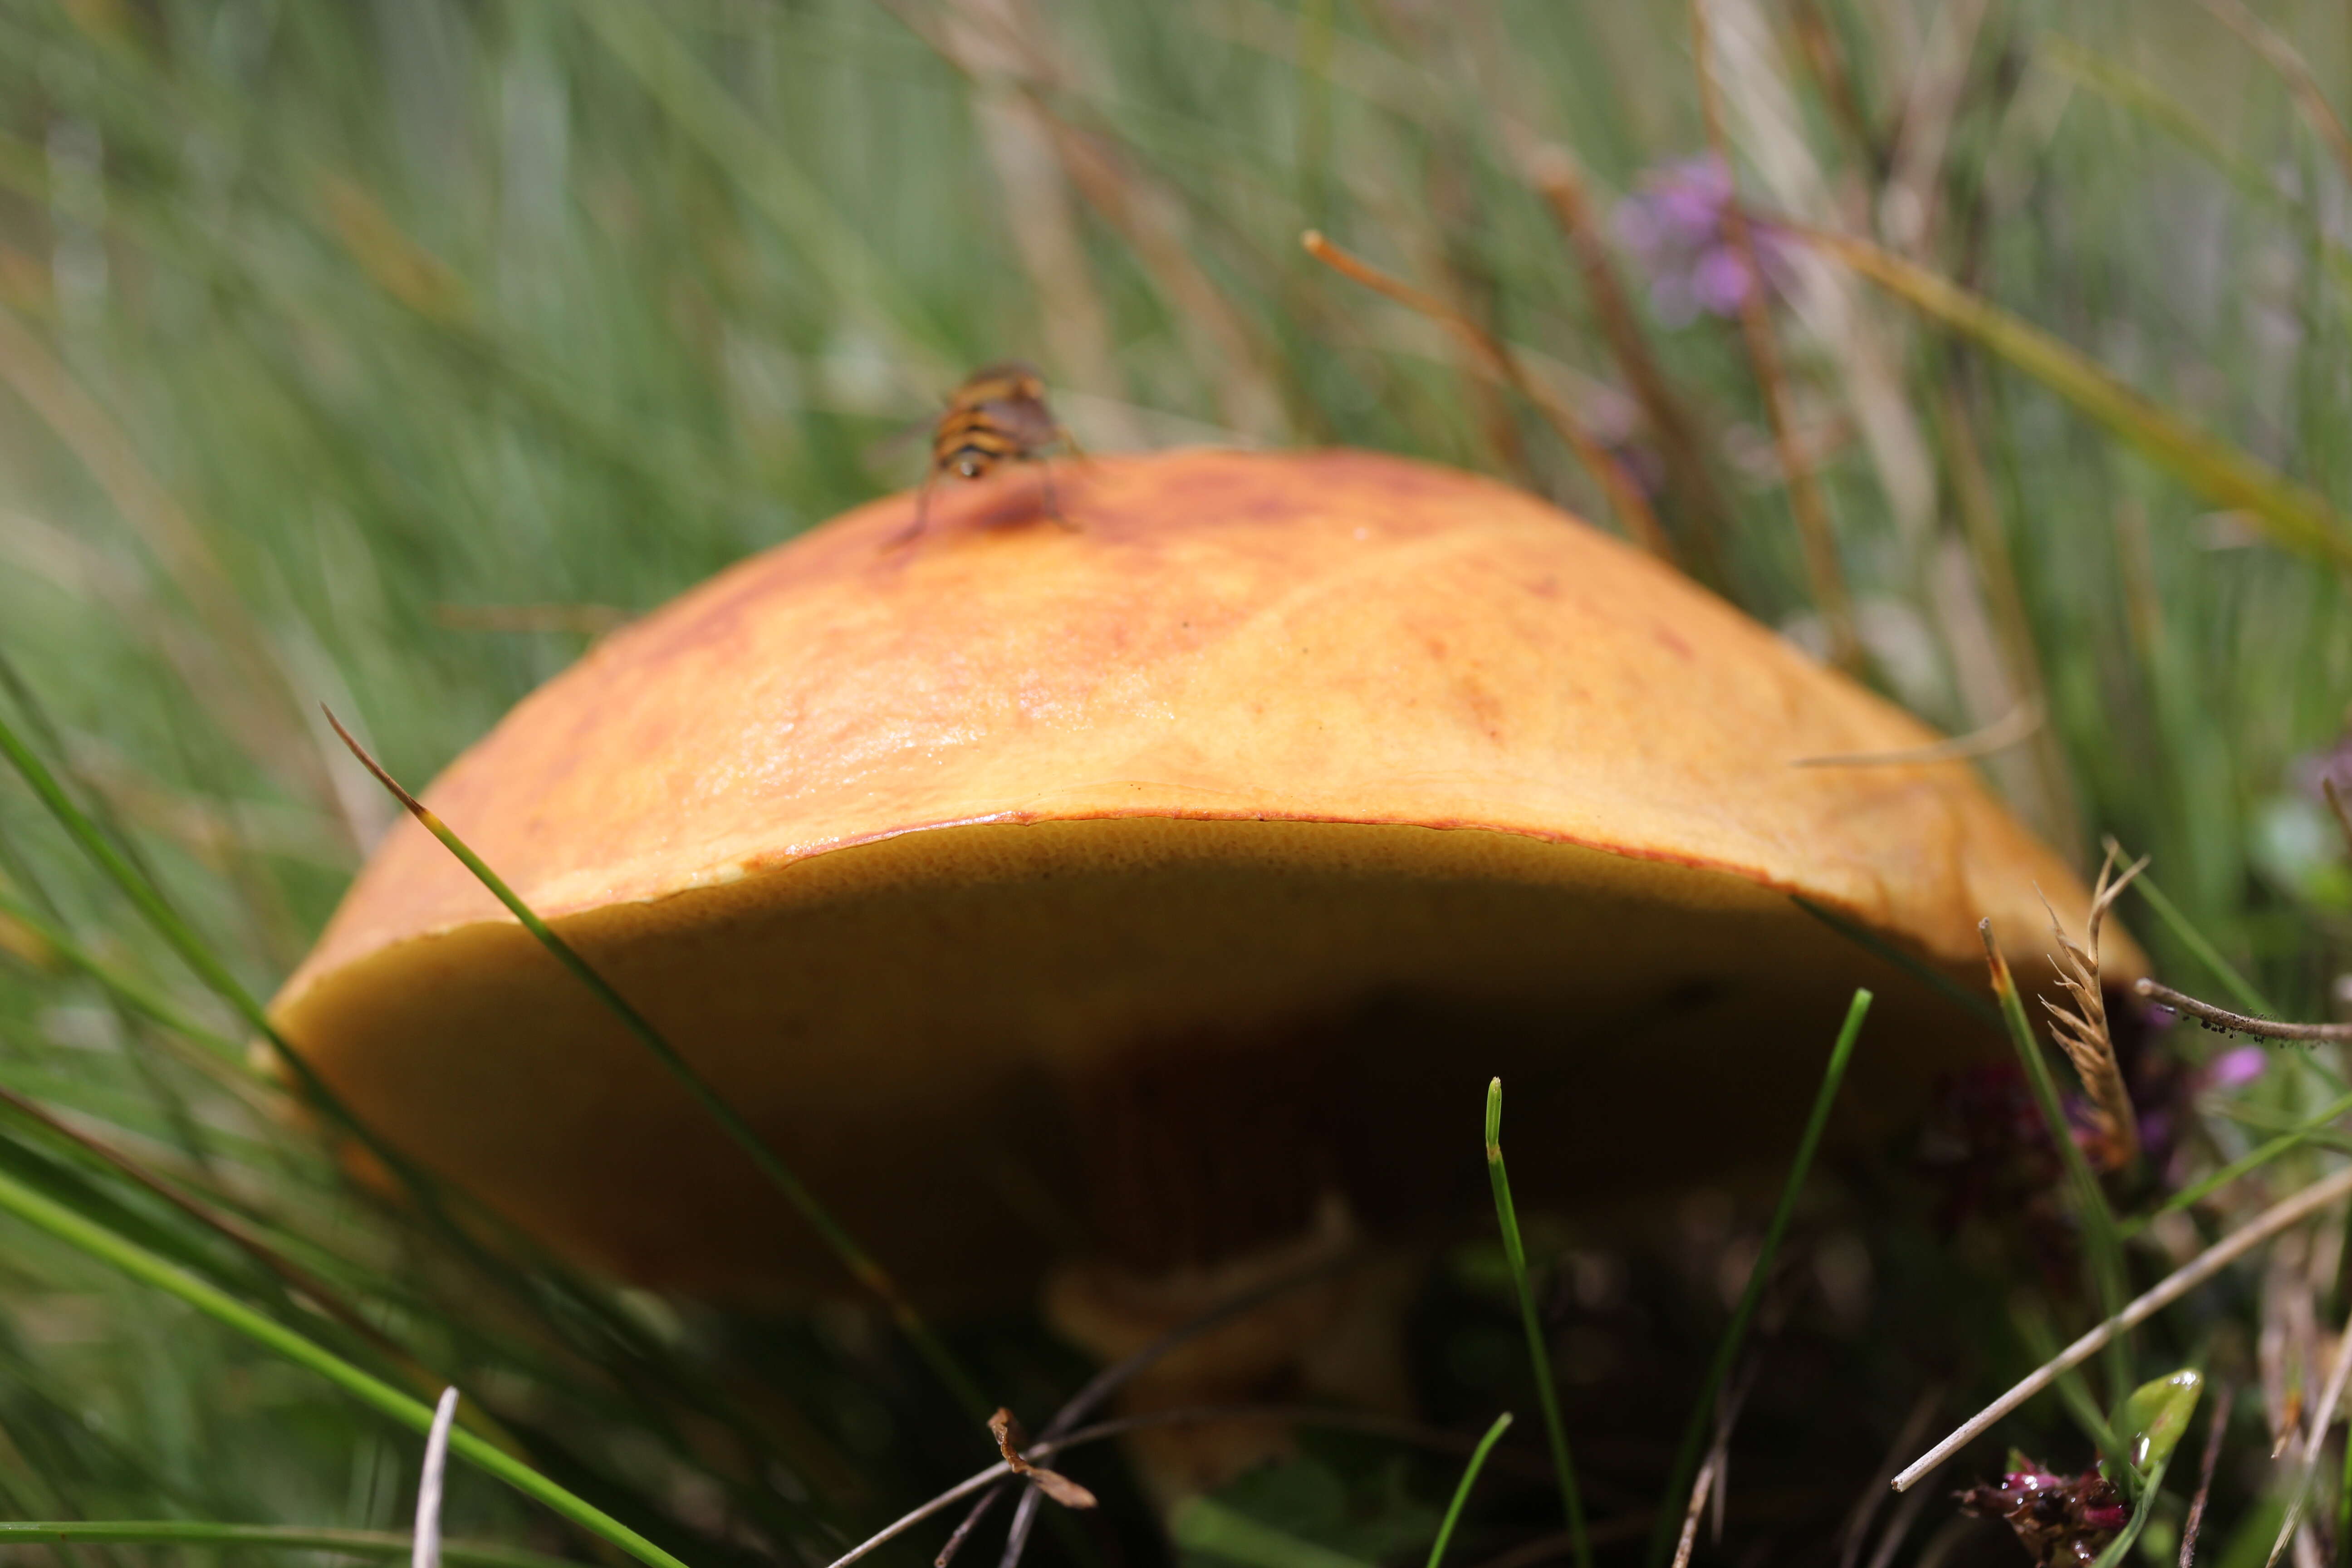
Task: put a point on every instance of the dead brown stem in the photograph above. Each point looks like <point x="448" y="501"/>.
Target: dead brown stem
<point x="1815" y="534"/>
<point x="1624" y="496"/>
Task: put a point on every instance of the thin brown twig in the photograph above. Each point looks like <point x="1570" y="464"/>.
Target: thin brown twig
<point x="1553" y="171"/>
<point x="2243" y="1023"/>
<point x="1815" y="536"/>
<point x="1690" y="1516"/>
<point x="1299" y="1414"/>
<point x="2222" y="1401"/>
<point x="1107" y="1381"/>
<point x="2323" y="1416"/>
<point x="962" y="1532"/>
<point x="2286" y="1211"/>
<point x="1712" y="1476"/>
<point x="1624" y="496"/>
<point x="1898" y="1529"/>
<point x="1864" y="1512"/>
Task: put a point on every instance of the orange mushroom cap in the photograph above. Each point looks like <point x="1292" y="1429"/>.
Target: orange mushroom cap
<point x="1363" y="778"/>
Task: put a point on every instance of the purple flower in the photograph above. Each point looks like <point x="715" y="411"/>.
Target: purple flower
<point x="2314" y="769"/>
<point x="2235" y="1067"/>
<point x="1673" y="225"/>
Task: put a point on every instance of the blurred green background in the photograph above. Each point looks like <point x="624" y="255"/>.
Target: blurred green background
<point x="380" y="353"/>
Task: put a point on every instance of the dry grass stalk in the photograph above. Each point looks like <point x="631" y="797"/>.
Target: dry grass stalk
<point x="2013" y="727"/>
<point x="2322" y="1418"/>
<point x="2242" y="1023"/>
<point x="2223" y="1398"/>
<point x="426" y="1550"/>
<point x="2287" y="1211"/>
<point x="1815" y="534"/>
<point x="1553" y="170"/>
<point x="2081" y="1022"/>
<point x="2302" y="86"/>
<point x="2043" y="785"/>
<point x="1624" y="496"/>
<point x="1011" y="1439"/>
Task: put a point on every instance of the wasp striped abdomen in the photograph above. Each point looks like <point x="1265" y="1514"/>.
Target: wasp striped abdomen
<point x="998" y="415"/>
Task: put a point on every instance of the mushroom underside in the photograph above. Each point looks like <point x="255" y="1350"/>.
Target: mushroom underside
<point x="1160" y="1040"/>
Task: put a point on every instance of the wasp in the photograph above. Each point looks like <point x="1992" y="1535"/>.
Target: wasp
<point x="998" y="415"/>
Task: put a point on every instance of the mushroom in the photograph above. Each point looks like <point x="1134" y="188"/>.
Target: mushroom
<point x="1144" y="905"/>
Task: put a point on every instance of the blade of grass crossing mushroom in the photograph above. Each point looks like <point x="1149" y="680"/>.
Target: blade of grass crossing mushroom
<point x="2295" y="516"/>
<point x="383" y="1543"/>
<point x="861" y="1265"/>
<point x="1701" y="1423"/>
<point x="1462" y="1490"/>
<point x="143" y="1266"/>
<point x="1870" y="942"/>
<point x="2099" y="1230"/>
<point x="1547" y="1396"/>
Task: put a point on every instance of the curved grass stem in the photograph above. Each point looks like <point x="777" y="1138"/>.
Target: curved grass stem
<point x="1538" y="1356"/>
<point x="1667" y="1526"/>
<point x="99" y="1242"/>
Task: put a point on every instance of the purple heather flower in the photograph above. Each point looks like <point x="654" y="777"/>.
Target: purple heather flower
<point x="1673" y="225"/>
<point x="2314" y="769"/>
<point x="2235" y="1067"/>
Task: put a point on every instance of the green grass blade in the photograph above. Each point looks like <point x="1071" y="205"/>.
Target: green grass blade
<point x="269" y="1537"/>
<point x="101" y="1242"/>
<point x="2042" y="1343"/>
<point x="2118" y="1548"/>
<point x="142" y="893"/>
<point x="2295" y="516"/>
<point x="1726" y="1350"/>
<point x="1877" y="946"/>
<point x="1207" y="1526"/>
<point x="192" y="951"/>
<point x="2248" y="995"/>
<point x="861" y="1264"/>
<point x="133" y="994"/>
<point x="2102" y="1236"/>
<point x="2253" y="1160"/>
<point x="1547" y="1396"/>
<point x="1462" y="1490"/>
<point x="642" y="41"/>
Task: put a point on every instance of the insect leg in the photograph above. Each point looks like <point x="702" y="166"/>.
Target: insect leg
<point x="1053" y="503"/>
<point x="907" y="534"/>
